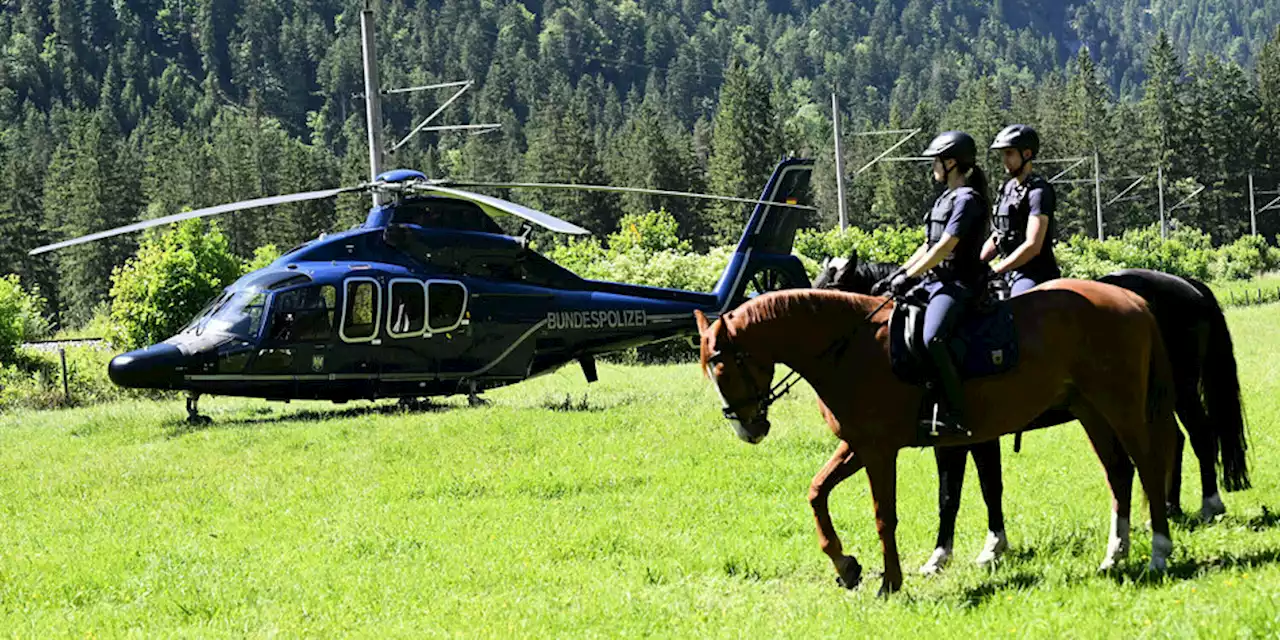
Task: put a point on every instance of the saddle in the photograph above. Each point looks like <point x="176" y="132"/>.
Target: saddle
<point x="984" y="342"/>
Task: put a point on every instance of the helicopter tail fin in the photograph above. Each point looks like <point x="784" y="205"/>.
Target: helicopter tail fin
<point x="763" y="260"/>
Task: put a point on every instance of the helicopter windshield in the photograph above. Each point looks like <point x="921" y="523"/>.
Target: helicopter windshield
<point x="238" y="314"/>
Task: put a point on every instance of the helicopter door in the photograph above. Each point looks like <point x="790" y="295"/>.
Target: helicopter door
<point x="446" y="305"/>
<point x="361" y="320"/>
<point x="452" y="346"/>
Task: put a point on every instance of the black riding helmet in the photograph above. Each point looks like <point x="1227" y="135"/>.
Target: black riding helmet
<point x="1018" y="136"/>
<point x="956" y="145"/>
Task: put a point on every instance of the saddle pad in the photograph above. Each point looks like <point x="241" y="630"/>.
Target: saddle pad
<point x="985" y="343"/>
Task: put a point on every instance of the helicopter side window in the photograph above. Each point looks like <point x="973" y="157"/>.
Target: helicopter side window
<point x="361" y="310"/>
<point x="407" y="313"/>
<point x="446" y="304"/>
<point x="304" y="314"/>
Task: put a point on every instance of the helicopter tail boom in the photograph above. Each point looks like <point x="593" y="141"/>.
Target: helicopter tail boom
<point x="763" y="260"/>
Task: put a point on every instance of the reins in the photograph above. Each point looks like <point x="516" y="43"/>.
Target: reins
<point x="782" y="387"/>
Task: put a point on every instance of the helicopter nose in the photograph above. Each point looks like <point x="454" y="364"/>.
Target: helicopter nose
<point x="153" y="367"/>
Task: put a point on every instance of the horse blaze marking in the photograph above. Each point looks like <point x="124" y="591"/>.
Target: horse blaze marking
<point x="602" y="319"/>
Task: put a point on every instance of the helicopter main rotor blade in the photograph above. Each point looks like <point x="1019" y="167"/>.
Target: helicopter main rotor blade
<point x="198" y="213"/>
<point x="601" y="187"/>
<point x="545" y="220"/>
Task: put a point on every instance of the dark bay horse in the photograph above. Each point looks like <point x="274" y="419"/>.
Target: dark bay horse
<point x="1198" y="341"/>
<point x="1090" y="348"/>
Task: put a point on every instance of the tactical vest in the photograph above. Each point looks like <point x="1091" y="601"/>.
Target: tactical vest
<point x="940" y="215"/>
<point x="1014" y="208"/>
<point x="963" y="262"/>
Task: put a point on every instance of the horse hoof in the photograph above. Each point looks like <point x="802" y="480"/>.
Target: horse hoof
<point x="1211" y="508"/>
<point x="937" y="562"/>
<point x="887" y="589"/>
<point x="1158" y="565"/>
<point x="850" y="574"/>
<point x="995" y="547"/>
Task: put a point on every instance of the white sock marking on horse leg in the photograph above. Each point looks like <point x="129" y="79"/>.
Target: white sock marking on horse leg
<point x="941" y="556"/>
<point x="997" y="543"/>
<point x="1211" y="507"/>
<point x="1161" y="548"/>
<point x="1118" y="545"/>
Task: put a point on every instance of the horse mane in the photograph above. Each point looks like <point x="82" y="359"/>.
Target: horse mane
<point x="812" y="304"/>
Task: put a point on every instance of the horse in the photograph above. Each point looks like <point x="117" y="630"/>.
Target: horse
<point x="1090" y="348"/>
<point x="1207" y="387"/>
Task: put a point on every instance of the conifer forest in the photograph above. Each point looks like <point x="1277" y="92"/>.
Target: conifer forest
<point x="115" y="111"/>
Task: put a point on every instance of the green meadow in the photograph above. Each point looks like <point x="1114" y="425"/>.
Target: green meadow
<point x="622" y="508"/>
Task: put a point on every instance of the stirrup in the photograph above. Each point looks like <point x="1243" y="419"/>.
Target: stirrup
<point x="948" y="425"/>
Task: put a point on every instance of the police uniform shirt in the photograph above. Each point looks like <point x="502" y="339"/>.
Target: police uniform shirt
<point x="961" y="214"/>
<point x="1018" y="202"/>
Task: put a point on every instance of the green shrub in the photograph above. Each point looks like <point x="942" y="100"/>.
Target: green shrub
<point x="169" y="280"/>
<point x="892" y="245"/>
<point x="21" y="315"/>
<point x="262" y="258"/>
<point x="34" y="380"/>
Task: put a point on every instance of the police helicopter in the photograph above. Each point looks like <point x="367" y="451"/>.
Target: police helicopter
<point x="431" y="297"/>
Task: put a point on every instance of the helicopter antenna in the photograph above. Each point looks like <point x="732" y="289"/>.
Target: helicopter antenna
<point x="372" y="97"/>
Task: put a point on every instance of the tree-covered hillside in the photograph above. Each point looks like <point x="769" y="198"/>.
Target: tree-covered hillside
<point x="115" y="110"/>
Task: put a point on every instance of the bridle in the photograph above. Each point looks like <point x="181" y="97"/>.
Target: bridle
<point x="771" y="394"/>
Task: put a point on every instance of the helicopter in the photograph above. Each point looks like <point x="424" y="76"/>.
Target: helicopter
<point x="430" y="297"/>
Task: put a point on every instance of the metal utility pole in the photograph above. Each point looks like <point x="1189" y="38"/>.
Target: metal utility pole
<point x="1164" y="233"/>
<point x="1253" y="209"/>
<point x="372" y="97"/>
<point x="1097" y="194"/>
<point x="835" y="127"/>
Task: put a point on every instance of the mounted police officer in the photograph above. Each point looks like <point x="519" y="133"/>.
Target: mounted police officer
<point x="949" y="261"/>
<point x="1024" y="228"/>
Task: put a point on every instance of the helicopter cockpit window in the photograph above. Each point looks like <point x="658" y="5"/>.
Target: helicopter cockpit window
<point x="240" y="316"/>
<point x="305" y="314"/>
<point x="443" y="213"/>
<point x="446" y="302"/>
<point x="361" y="310"/>
<point x="407" y="313"/>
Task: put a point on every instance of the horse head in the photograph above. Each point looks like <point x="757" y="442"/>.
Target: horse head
<point x="742" y="380"/>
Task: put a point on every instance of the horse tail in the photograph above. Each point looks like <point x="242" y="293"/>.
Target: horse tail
<point x="1220" y="386"/>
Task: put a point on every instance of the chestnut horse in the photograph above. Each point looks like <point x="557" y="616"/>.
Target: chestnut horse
<point x="1086" y="347"/>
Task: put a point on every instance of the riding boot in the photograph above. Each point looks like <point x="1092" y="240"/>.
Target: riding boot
<point x="950" y="419"/>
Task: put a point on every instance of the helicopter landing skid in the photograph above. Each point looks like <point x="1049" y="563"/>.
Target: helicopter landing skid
<point x="473" y="397"/>
<point x="193" y="411"/>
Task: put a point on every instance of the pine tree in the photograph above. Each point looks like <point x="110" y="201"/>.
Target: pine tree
<point x="1163" y="108"/>
<point x="562" y="148"/>
<point x="92" y="184"/>
<point x="745" y="147"/>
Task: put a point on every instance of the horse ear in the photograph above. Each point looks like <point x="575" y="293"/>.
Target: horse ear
<point x="701" y="319"/>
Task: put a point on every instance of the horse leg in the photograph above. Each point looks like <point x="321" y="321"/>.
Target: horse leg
<point x="1153" y="459"/>
<point x="882" y="474"/>
<point x="951" y="466"/>
<point x="1119" y="472"/>
<point x="1204" y="445"/>
<point x="986" y="457"/>
<point x="1175" y="481"/>
<point x="843" y="463"/>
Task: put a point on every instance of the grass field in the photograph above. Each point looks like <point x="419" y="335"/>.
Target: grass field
<point x="635" y="512"/>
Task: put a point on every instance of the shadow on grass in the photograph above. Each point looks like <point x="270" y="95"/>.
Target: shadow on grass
<point x="179" y="428"/>
<point x="979" y="595"/>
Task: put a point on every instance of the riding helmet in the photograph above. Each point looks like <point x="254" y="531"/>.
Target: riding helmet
<point x="956" y="145"/>
<point x="1018" y="136"/>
